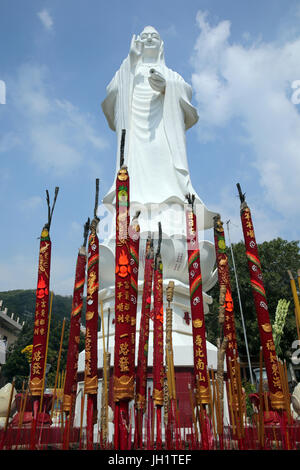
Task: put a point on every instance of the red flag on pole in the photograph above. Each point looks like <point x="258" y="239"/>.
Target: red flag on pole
<point x="261" y="307"/>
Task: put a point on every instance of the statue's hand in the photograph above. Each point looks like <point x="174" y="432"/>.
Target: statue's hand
<point x="157" y="81"/>
<point x="135" y="46"/>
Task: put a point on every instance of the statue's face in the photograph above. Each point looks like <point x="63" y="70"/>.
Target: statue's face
<point x="150" y="38"/>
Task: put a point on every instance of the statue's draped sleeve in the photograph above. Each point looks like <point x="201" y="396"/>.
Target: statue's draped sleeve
<point x="109" y="104"/>
<point x="179" y="115"/>
<point x="116" y="106"/>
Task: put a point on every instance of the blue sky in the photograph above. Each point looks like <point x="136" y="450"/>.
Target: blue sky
<point x="56" y="58"/>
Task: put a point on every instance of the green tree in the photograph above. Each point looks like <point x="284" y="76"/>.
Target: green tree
<point x="22" y="303"/>
<point x="16" y="365"/>
<point x="276" y="256"/>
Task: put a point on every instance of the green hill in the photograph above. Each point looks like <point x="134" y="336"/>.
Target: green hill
<point x="22" y="303"/>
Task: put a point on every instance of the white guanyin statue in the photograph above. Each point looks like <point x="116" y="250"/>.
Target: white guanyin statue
<point x="153" y="104"/>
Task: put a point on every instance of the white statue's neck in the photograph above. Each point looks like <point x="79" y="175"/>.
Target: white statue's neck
<point x="150" y="56"/>
<point x="149" y="60"/>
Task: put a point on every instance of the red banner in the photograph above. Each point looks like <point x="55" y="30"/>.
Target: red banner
<point x="229" y="322"/>
<point x="74" y="335"/>
<point x="224" y="280"/>
<point x="91" y="335"/>
<point x="41" y="316"/>
<point x="262" y="312"/>
<point x="158" y="334"/>
<point x="141" y="373"/>
<point x="134" y="233"/>
<point x="123" y="387"/>
<point x="197" y="311"/>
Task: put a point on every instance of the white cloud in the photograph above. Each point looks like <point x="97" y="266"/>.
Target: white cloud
<point x="31" y="203"/>
<point x="46" y="19"/>
<point x="170" y="31"/>
<point x="8" y="142"/>
<point x="59" y="133"/>
<point x="20" y="272"/>
<point x="252" y="84"/>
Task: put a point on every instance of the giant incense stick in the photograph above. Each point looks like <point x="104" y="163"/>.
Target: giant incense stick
<point x="170" y="389"/>
<point x="261" y="306"/>
<point x="134" y="234"/>
<point x="104" y="405"/>
<point x="227" y="342"/>
<point x="197" y="313"/>
<point x="197" y="310"/>
<point x="158" y="343"/>
<point x="74" y="335"/>
<point x="91" y="336"/>
<point x="42" y="307"/>
<point x="41" y="323"/>
<point x="141" y="373"/>
<point x="123" y="380"/>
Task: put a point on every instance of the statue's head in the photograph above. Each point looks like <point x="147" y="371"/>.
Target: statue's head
<point x="150" y="38"/>
<point x="152" y="43"/>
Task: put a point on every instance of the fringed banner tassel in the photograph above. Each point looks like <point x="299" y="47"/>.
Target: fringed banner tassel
<point x="261" y="307"/>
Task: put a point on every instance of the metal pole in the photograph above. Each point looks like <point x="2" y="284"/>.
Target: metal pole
<point x="240" y="304"/>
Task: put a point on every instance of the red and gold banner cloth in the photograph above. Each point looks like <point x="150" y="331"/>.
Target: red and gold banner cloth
<point x="123" y="385"/>
<point x="224" y="280"/>
<point x="41" y="316"/>
<point x="197" y="311"/>
<point x="134" y="233"/>
<point x="74" y="335"/>
<point x="141" y="373"/>
<point x="262" y="312"/>
<point x="91" y="322"/>
<point x="229" y="330"/>
<point x="158" y="334"/>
